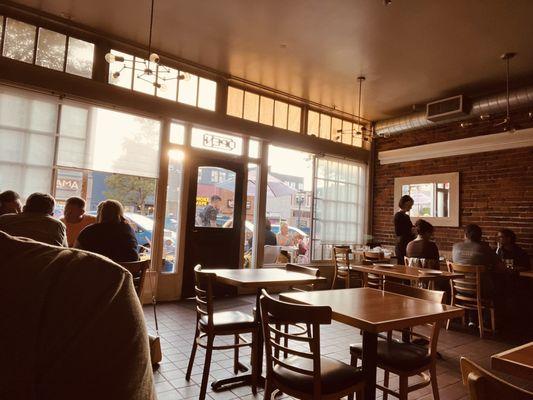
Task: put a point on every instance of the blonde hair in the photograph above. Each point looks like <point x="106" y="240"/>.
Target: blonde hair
<point x="110" y="211"/>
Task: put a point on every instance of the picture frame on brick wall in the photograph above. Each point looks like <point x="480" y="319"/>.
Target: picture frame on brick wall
<point x="436" y="197"/>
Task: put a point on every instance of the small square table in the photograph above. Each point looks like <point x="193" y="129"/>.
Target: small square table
<point x="408" y="273"/>
<point x="517" y="361"/>
<point x="375" y="311"/>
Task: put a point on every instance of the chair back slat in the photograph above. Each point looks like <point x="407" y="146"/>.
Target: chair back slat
<point x="467" y="288"/>
<point x="482" y="385"/>
<point x="274" y="313"/>
<point x="137" y="269"/>
<point x="341" y="256"/>
<point x="302" y="269"/>
<point x="203" y="287"/>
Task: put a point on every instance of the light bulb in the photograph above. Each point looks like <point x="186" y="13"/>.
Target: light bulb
<point x="116" y="75"/>
<point x="154" y="58"/>
<point x="185" y="76"/>
<point x="110" y="58"/>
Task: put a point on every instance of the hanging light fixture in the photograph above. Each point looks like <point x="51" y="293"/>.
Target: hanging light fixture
<point x="507" y="126"/>
<point x="156" y="75"/>
<point x="361" y="130"/>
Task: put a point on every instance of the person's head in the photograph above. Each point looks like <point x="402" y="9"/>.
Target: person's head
<point x="110" y="211"/>
<point x="284" y="228"/>
<point x="406" y="203"/>
<point x="215" y="201"/>
<point x="506" y="237"/>
<point x="424" y="229"/>
<point x="268" y="225"/>
<point x="473" y="233"/>
<point x="74" y="209"/>
<point x="40" y="203"/>
<point x="10" y="202"/>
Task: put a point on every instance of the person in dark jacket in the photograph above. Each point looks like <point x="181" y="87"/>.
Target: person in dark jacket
<point x="403" y="228"/>
<point x="111" y="235"/>
<point x="270" y="237"/>
<point x="509" y="250"/>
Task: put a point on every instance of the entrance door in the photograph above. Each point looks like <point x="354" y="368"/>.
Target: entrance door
<point x="213" y="234"/>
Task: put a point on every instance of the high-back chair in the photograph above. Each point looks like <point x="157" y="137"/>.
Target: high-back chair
<point x="373" y="280"/>
<point x="482" y="385"/>
<point x="303" y="374"/>
<point x="302" y="269"/>
<point x="341" y="257"/>
<point x="407" y="359"/>
<point x="137" y="269"/>
<point x="467" y="293"/>
<point x="210" y="324"/>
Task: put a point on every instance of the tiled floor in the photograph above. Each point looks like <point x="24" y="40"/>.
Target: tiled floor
<point x="176" y="328"/>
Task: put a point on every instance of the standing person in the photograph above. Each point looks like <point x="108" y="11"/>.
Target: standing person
<point x="509" y="250"/>
<point x="75" y="219"/>
<point x="422" y="246"/>
<point x="111" y="235"/>
<point x="10" y="202"/>
<point x="36" y="221"/>
<point x="210" y="212"/>
<point x="403" y="228"/>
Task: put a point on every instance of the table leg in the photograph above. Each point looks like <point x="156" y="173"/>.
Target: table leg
<point x="370" y="350"/>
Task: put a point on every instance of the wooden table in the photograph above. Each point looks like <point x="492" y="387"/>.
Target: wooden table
<point x="261" y="278"/>
<point x="517" y="361"/>
<point x="408" y="273"/>
<point x="527" y="274"/>
<point x="375" y="311"/>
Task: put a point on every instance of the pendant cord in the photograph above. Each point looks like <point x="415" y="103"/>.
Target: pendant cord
<point x="507" y="88"/>
<point x="360" y="90"/>
<point x="151" y="24"/>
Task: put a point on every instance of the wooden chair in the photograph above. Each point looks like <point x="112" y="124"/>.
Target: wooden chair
<point x="407" y="359"/>
<point x="341" y="256"/>
<point x="210" y="324"/>
<point x="137" y="269"/>
<point x="304" y="374"/>
<point x="373" y="280"/>
<point x="302" y="269"/>
<point x="482" y="385"/>
<point x="466" y="293"/>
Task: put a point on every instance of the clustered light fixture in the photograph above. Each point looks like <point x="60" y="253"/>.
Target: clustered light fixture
<point x="152" y="74"/>
<point x="363" y="131"/>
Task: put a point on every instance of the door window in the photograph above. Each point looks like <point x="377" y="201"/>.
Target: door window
<point x="215" y="197"/>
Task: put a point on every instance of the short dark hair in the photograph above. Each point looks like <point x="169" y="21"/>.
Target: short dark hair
<point x="423" y="227"/>
<point x="405" y="199"/>
<point x="473" y="232"/>
<point x="76" y="201"/>
<point x="508" y="234"/>
<point x="40" y="203"/>
<point x="268" y="225"/>
<point x="8" y="196"/>
<point x="215" y="197"/>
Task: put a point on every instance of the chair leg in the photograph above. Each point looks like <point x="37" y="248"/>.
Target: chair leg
<point x="236" y="355"/>
<point x="207" y="366"/>
<point x="434" y="384"/>
<point x="492" y="320"/>
<point x="353" y="360"/>
<point x="193" y="354"/>
<point x="448" y="324"/>
<point x="347" y="281"/>
<point x="386" y="384"/>
<point x="253" y="363"/>
<point x="403" y="387"/>
<point x="268" y="390"/>
<point x="480" y="321"/>
<point x="286" y="340"/>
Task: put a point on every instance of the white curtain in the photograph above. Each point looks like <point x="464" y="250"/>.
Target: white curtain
<point x="339" y="205"/>
<point x="27" y="138"/>
<point x="109" y="141"/>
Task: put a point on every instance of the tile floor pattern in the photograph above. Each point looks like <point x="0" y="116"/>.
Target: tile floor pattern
<point x="176" y="329"/>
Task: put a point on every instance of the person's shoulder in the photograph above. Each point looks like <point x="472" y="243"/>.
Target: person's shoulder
<point x="8" y="217"/>
<point x="89" y="218"/>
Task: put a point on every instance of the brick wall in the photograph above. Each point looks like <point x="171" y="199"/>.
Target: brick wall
<point x="496" y="188"/>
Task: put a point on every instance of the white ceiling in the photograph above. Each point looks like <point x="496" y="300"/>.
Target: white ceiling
<point x="411" y="51"/>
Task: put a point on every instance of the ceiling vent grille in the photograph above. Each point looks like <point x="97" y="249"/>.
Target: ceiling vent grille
<point x="446" y="109"/>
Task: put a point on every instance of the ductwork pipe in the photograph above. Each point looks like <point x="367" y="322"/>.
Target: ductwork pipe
<point x="518" y="98"/>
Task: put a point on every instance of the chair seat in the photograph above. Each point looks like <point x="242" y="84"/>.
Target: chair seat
<point x="230" y="320"/>
<point x="336" y="376"/>
<point x="397" y="355"/>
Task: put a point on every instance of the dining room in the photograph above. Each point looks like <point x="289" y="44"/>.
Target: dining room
<point x="235" y="200"/>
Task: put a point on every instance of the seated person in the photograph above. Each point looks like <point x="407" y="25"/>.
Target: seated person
<point x="111" y="236"/>
<point x="508" y="249"/>
<point x="10" y="202"/>
<point x="270" y="237"/>
<point x="423" y="246"/>
<point x="36" y="221"/>
<point x="283" y="238"/>
<point x="78" y="331"/>
<point x="75" y="219"/>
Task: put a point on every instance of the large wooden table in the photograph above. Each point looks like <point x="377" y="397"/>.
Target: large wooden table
<point x="527" y="274"/>
<point x="408" y="273"/>
<point x="517" y="361"/>
<point x="260" y="278"/>
<point x="374" y="311"/>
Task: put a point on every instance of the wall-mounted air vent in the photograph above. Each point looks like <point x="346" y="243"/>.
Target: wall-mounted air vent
<point x="445" y="109"/>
